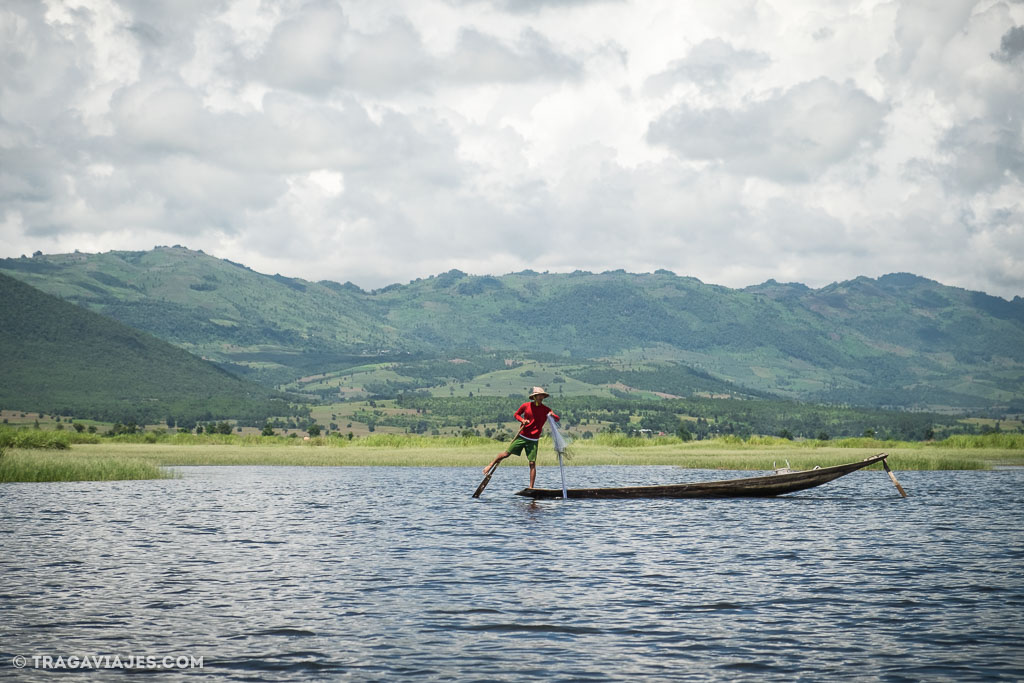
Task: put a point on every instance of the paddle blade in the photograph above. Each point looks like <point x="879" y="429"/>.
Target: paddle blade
<point x="484" y="483"/>
<point x="892" y="476"/>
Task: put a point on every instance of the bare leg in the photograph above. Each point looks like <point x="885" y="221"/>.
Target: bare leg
<point x="533" y="473"/>
<point x="494" y="463"/>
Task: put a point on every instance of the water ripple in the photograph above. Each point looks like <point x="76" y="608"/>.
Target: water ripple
<point x="279" y="573"/>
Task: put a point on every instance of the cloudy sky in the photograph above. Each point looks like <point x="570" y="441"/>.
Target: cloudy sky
<point x="378" y="141"/>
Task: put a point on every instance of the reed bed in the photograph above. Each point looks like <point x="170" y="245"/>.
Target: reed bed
<point x="41" y="466"/>
<point x="721" y="457"/>
<point x="1000" y="440"/>
<point x="298" y="455"/>
<point x="1005" y="441"/>
<point x="991" y="440"/>
<point x="372" y="441"/>
<point x="142" y="456"/>
<point x="797" y="459"/>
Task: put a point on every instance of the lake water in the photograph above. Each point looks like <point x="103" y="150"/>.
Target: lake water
<point x="281" y="573"/>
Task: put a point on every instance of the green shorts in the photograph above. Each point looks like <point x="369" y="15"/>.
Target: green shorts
<point x="519" y="444"/>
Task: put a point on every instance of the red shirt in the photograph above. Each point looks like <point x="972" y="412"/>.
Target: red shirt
<point x="535" y="416"/>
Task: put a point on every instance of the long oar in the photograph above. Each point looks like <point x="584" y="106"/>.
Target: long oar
<point x="486" y="481"/>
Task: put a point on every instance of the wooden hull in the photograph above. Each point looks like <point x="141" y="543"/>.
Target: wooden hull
<point x="751" y="487"/>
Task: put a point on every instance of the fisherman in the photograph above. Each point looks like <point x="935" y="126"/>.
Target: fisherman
<point x="532" y="415"/>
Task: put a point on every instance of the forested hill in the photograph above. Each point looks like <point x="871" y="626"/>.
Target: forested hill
<point x="58" y="358"/>
<point x="899" y="340"/>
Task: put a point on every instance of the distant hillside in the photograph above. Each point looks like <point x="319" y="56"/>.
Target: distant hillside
<point x="899" y="340"/>
<point x="203" y="303"/>
<point x="58" y="358"/>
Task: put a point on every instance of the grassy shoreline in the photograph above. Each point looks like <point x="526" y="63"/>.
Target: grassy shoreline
<point x="110" y="459"/>
<point x="42" y="466"/>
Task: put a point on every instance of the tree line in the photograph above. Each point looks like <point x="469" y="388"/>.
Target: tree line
<point x="700" y="418"/>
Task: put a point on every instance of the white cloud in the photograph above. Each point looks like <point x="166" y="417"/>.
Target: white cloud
<point x="384" y="140"/>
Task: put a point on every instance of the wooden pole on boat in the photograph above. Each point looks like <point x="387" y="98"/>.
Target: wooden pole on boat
<point x="556" y="436"/>
<point x="885" y="464"/>
<point x="561" y="468"/>
<point x="486" y="481"/>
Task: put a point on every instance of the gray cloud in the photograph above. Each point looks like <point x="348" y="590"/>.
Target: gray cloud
<point x="942" y="49"/>
<point x="710" y="63"/>
<point x="39" y="67"/>
<point x="369" y="143"/>
<point x="166" y="31"/>
<point x="921" y="30"/>
<point x="181" y="15"/>
<point x="479" y="58"/>
<point x="531" y="6"/>
<point x="794" y="135"/>
<point x="165" y="163"/>
<point x="1011" y="45"/>
<point x="226" y="166"/>
<point x="985" y="153"/>
<point x="317" y="51"/>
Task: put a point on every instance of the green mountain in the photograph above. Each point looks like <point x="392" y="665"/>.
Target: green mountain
<point x="899" y="340"/>
<point x="59" y="358"/>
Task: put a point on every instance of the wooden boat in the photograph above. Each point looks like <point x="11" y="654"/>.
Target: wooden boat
<point x="750" y="487"/>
